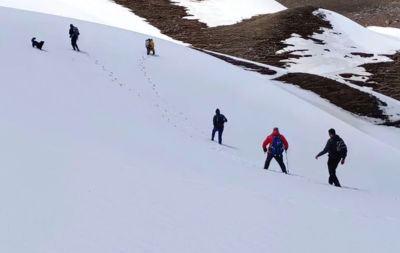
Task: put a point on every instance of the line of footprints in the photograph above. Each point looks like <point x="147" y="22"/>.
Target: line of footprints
<point x="178" y="119"/>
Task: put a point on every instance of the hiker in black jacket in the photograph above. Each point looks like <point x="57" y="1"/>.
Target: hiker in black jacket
<point x="337" y="152"/>
<point x="74" y="34"/>
<point x="219" y="120"/>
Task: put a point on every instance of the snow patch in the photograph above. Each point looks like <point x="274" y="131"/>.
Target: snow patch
<point x="227" y="12"/>
<point x="389" y="31"/>
<point x="341" y="47"/>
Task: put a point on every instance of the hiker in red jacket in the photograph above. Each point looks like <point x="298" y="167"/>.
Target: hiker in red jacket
<point x="276" y="144"/>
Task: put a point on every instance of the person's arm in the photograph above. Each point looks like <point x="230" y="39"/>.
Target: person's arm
<point x="215" y="120"/>
<point x="344" y="155"/>
<point x="285" y="142"/>
<point x="324" y="151"/>
<point x="225" y="119"/>
<point x="265" y="144"/>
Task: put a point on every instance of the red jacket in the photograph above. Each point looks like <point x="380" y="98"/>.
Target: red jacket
<point x="271" y="137"/>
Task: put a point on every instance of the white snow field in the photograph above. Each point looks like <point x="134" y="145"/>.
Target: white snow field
<point x="227" y="12"/>
<point x="108" y="150"/>
<point x="390" y="31"/>
<point x="104" y="12"/>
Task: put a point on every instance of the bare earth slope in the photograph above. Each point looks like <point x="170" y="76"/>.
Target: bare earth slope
<point x="255" y="39"/>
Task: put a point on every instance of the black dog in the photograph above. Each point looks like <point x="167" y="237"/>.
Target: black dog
<point x="36" y="44"/>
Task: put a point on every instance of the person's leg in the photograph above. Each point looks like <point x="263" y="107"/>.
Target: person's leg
<point x="332" y="165"/>
<point x="148" y="50"/>
<point x="330" y="180"/>
<point x="220" y="131"/>
<point x="73" y="43"/>
<point x="154" y="51"/>
<point x="268" y="161"/>
<point x="279" y="159"/>
<point x="213" y="133"/>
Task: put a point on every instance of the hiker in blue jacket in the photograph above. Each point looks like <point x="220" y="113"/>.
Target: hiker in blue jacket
<point x="218" y="121"/>
<point x="74" y="34"/>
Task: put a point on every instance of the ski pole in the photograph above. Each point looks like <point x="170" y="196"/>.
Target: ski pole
<point x="287" y="161"/>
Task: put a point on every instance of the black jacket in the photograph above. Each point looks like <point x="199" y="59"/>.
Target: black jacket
<point x="335" y="148"/>
<point x="73" y="33"/>
<point x="219" y="120"/>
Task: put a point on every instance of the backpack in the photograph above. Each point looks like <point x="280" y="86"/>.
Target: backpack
<point x="341" y="147"/>
<point x="75" y="30"/>
<point x="220" y="120"/>
<point x="277" y="148"/>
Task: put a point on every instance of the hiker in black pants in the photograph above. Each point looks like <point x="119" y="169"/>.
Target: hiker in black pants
<point x="337" y="152"/>
<point x="219" y="120"/>
<point x="74" y="34"/>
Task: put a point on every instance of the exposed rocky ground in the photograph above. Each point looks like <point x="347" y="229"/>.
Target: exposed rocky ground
<point x="385" y="78"/>
<point x="259" y="38"/>
<point x="350" y="99"/>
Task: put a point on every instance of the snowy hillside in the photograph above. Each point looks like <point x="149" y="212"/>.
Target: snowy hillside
<point x="99" y="11"/>
<point x="108" y="150"/>
<point x="389" y="31"/>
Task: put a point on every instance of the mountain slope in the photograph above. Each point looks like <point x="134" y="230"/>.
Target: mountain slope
<point x="324" y="42"/>
<point x="99" y="11"/>
<point x="108" y="151"/>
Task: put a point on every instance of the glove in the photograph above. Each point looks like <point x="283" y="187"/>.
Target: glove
<point x="265" y="150"/>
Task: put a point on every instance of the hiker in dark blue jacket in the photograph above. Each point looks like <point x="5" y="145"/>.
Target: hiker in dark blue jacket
<point x="218" y="121"/>
<point x="337" y="152"/>
<point x="74" y="34"/>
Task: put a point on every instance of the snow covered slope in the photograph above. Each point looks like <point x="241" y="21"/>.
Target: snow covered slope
<point x="98" y="11"/>
<point x="228" y="12"/>
<point x="108" y="150"/>
<point x="389" y="31"/>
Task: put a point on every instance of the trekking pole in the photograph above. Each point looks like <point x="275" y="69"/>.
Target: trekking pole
<point x="287" y="162"/>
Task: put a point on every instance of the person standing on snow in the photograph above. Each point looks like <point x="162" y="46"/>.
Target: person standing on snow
<point x="74" y="34"/>
<point x="275" y="144"/>
<point x="337" y="152"/>
<point x="219" y="120"/>
<point x="150" y="46"/>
